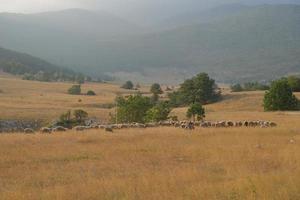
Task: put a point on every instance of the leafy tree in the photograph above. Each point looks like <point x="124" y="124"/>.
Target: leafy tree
<point x="280" y="97"/>
<point x="80" y="115"/>
<point x="91" y="93"/>
<point x="158" y="113"/>
<point x="75" y="90"/>
<point x="196" y="111"/>
<point x="294" y="83"/>
<point x="132" y="109"/>
<point x="200" y="88"/>
<point x="156" y="89"/>
<point x="128" y="85"/>
<point x="236" y="88"/>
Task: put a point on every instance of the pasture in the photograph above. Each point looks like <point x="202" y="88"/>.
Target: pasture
<point x="154" y="163"/>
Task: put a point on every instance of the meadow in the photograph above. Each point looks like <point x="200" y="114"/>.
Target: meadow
<point x="154" y="163"/>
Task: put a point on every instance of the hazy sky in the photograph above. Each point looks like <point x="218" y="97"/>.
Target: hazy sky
<point x="45" y="5"/>
<point x="119" y="6"/>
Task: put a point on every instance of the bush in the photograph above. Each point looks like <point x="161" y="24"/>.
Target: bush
<point x="158" y="113"/>
<point x="91" y="93"/>
<point x="280" y="97"/>
<point x="75" y="90"/>
<point x="200" y="88"/>
<point x="196" y="111"/>
<point x="250" y="86"/>
<point x="128" y="85"/>
<point x="66" y="119"/>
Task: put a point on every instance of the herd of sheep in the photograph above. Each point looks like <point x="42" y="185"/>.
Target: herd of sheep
<point x="190" y="125"/>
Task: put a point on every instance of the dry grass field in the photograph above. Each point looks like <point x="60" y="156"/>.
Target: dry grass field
<point x="47" y="101"/>
<point x="150" y="164"/>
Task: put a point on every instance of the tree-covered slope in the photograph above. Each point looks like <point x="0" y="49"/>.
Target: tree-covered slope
<point x="34" y="68"/>
<point x="258" y="43"/>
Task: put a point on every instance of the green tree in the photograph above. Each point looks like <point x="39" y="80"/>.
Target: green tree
<point x="280" y="97"/>
<point x="158" y="113"/>
<point x="294" y="83"/>
<point x="200" y="88"/>
<point x="156" y="89"/>
<point x="128" y="85"/>
<point x="196" y="111"/>
<point x="236" y="88"/>
<point x="132" y="108"/>
<point x="75" y="90"/>
<point x="80" y="115"/>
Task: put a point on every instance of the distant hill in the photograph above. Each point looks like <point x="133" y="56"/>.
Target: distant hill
<point x="240" y="43"/>
<point x="62" y="37"/>
<point x="33" y="68"/>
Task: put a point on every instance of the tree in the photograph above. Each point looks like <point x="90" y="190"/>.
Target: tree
<point x="75" y="90"/>
<point x="80" y="115"/>
<point x="294" y="83"/>
<point x="200" y="88"/>
<point x="280" y="97"/>
<point x="91" y="93"/>
<point x="156" y="89"/>
<point x="196" y="111"/>
<point x="236" y="88"/>
<point x="128" y="85"/>
<point x="158" y="113"/>
<point x="132" y="109"/>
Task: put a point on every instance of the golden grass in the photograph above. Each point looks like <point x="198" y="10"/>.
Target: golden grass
<point x="162" y="163"/>
<point x="158" y="163"/>
<point x="37" y="100"/>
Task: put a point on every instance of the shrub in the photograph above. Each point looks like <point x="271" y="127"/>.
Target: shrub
<point x="91" y="93"/>
<point x="66" y="119"/>
<point x="128" y="85"/>
<point x="75" y="90"/>
<point x="196" y="111"/>
<point x="280" y="97"/>
<point x="250" y="86"/>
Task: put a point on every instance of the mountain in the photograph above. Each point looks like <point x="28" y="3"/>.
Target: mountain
<point x="57" y="36"/>
<point x="33" y="68"/>
<point x="233" y="43"/>
<point x="259" y="44"/>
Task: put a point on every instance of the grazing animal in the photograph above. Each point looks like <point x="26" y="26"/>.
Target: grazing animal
<point x="59" y="129"/>
<point x="80" y="128"/>
<point x="28" y="131"/>
<point x="46" y="130"/>
<point x="109" y="129"/>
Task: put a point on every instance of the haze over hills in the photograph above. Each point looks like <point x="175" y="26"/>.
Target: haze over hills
<point x="33" y="68"/>
<point x="232" y="42"/>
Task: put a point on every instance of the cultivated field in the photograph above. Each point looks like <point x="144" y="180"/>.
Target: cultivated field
<point x="159" y="163"/>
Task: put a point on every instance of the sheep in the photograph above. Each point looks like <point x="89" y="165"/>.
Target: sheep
<point x="59" y="129"/>
<point x="45" y="130"/>
<point x="28" y="131"/>
<point x="80" y="128"/>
